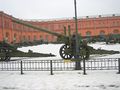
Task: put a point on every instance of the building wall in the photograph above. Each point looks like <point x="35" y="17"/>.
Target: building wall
<point x="1" y="27"/>
<point x="16" y="33"/>
<point x="13" y="32"/>
<point x="6" y="27"/>
<point x="95" y="26"/>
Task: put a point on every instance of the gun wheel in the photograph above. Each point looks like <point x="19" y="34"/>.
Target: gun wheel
<point x="65" y="52"/>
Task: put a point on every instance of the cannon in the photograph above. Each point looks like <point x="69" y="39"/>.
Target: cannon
<point x="113" y="38"/>
<point x="67" y="51"/>
<point x="7" y="51"/>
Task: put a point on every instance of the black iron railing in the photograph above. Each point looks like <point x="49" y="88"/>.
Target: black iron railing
<point x="102" y="64"/>
<point x="59" y="65"/>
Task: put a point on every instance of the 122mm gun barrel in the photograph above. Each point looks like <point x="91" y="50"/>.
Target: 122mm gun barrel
<point x="37" y="28"/>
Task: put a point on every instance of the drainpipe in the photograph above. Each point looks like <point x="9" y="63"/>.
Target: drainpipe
<point x="3" y="26"/>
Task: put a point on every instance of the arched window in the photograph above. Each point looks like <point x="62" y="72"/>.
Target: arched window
<point x="14" y="37"/>
<point x="41" y="37"/>
<point x="7" y="37"/>
<point x="29" y="38"/>
<point x="88" y="33"/>
<point x="35" y="37"/>
<point x="116" y="31"/>
<point x="47" y="38"/>
<point x="102" y="33"/>
<point x="24" y="38"/>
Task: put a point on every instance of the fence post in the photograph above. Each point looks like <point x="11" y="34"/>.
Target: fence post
<point x="21" y="67"/>
<point x="51" y="69"/>
<point x="118" y="66"/>
<point x="84" y="68"/>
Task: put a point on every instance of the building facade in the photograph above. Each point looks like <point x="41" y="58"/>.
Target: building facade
<point x="87" y="27"/>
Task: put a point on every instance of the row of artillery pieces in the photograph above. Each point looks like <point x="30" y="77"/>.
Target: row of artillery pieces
<point x="66" y="52"/>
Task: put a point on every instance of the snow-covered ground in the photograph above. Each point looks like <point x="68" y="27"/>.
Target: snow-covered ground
<point x="74" y="80"/>
<point x="44" y="48"/>
<point x="62" y="80"/>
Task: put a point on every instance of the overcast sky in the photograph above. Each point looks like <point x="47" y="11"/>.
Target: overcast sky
<point x="50" y="9"/>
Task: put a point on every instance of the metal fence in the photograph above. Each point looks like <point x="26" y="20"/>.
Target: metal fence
<point x="59" y="65"/>
<point x="102" y="64"/>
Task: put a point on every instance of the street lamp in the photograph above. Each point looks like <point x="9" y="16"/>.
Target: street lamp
<point x="76" y="24"/>
<point x="78" y="64"/>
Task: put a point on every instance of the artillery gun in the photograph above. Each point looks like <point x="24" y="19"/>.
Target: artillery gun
<point x="7" y="51"/>
<point x="113" y="38"/>
<point x="67" y="51"/>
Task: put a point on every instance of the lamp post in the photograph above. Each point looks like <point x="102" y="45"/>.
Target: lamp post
<point x="76" y="24"/>
<point x="78" y="64"/>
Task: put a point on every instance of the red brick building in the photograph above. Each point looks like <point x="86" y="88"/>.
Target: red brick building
<point x="87" y="26"/>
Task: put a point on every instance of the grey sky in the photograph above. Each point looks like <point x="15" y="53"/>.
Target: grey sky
<point x="48" y="9"/>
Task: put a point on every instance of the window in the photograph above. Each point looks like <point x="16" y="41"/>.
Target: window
<point x="24" y="38"/>
<point x="59" y="26"/>
<point x="88" y="24"/>
<point x="41" y="37"/>
<point x="14" y="38"/>
<point x="7" y="24"/>
<point x="115" y="23"/>
<point x="56" y="26"/>
<point x="116" y="31"/>
<point x="34" y="37"/>
<point x="6" y="37"/>
<point x="29" y="37"/>
<point x="102" y="33"/>
<point x="47" y="38"/>
<point x="88" y="33"/>
<point x="14" y="26"/>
